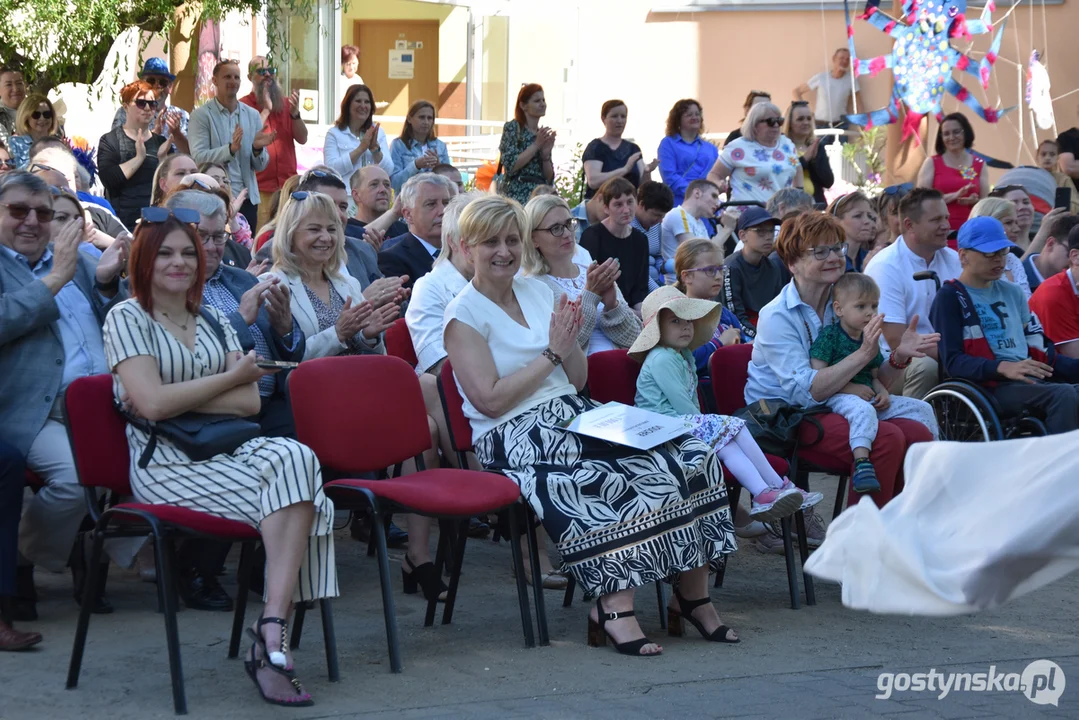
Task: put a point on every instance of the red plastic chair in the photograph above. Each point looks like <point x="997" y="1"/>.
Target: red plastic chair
<point x="102" y="458"/>
<point x="329" y="397"/>
<point x="461" y="438"/>
<point x="729" y="371"/>
<point x="399" y="342"/>
<point x="612" y="377"/>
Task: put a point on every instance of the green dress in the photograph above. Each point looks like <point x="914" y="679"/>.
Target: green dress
<point x="519" y="185"/>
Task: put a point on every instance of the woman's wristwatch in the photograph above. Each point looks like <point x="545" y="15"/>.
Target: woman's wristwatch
<point x="551" y="355"/>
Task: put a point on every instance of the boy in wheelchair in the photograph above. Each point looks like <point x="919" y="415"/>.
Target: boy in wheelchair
<point x="989" y="336"/>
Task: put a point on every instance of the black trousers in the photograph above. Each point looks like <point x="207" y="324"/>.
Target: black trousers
<point x="207" y="557"/>
<point x="12" y="467"/>
<point x="1059" y="402"/>
<point x="251" y="212"/>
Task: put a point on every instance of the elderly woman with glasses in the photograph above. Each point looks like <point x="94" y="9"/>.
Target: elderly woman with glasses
<point x="760" y="162"/>
<point x="813" y="247"/>
<point x="128" y="155"/>
<point x="608" y="322"/>
<point x="35" y="119"/>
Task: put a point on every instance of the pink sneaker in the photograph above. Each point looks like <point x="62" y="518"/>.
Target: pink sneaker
<point x="775" y="503"/>
<point x="809" y="499"/>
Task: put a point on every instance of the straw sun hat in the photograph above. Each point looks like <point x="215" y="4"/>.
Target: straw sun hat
<point x="704" y="314"/>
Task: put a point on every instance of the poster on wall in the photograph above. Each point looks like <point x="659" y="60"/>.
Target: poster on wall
<point x="402" y="65"/>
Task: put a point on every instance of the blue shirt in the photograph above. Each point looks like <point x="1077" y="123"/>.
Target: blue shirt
<point x="404" y="159"/>
<point x="88" y="198"/>
<point x="681" y="163"/>
<point x="80" y="332"/>
<point x="1003" y="313"/>
<point x="215" y="294"/>
<point x="19" y="147"/>
<point x="779" y="367"/>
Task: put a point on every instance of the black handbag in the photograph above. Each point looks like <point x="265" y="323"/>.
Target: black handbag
<point x="774" y="423"/>
<point x="200" y="436"/>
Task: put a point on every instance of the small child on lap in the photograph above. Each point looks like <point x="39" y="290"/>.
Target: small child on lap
<point x="864" y="401"/>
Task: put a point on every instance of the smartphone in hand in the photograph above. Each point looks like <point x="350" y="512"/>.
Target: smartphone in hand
<point x="1063" y="198"/>
<point x="275" y="364"/>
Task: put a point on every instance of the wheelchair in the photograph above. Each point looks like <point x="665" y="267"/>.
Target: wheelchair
<point x="967" y="413"/>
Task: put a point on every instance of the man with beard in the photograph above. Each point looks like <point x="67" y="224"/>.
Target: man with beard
<point x="12" y="93"/>
<point x="282" y="116"/>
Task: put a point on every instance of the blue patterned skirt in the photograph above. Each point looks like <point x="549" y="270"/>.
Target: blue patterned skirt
<point x="620" y="517"/>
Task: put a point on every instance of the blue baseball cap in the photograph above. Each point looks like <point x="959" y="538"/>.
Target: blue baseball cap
<point x="984" y="234"/>
<point x="156" y="66"/>
<point x="754" y="216"/>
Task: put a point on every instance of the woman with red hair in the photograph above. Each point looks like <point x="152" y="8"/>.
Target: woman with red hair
<point x="169" y="356"/>
<point x="526" y="147"/>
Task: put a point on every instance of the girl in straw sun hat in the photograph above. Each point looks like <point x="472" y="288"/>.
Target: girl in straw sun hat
<point x="674" y="326"/>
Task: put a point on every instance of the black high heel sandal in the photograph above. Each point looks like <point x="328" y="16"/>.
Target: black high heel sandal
<point x="685" y="610"/>
<point x="252" y="666"/>
<point x="425" y="576"/>
<point x="597" y="633"/>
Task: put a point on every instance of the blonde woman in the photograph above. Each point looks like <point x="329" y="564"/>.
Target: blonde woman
<point x="608" y="322"/>
<point x="1005" y="211"/>
<point x="520" y="367"/>
<point x="762" y="161"/>
<point x="35" y="119"/>
<point x="327" y="303"/>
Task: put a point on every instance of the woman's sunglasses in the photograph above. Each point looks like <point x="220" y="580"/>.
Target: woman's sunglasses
<point x="38" y="114"/>
<point x="900" y="189"/>
<point x="159" y="215"/>
<point x="143" y="103"/>
<point x="772" y="122"/>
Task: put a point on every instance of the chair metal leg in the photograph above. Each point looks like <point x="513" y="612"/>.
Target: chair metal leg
<point x="247" y="560"/>
<point x="522" y="590"/>
<point x="567" y="600"/>
<point x="387" y="594"/>
<point x="537" y="576"/>
<point x="165" y="552"/>
<point x="75" y="667"/>
<point x="445" y="546"/>
<point x="297" y="625"/>
<point x="457" y="557"/>
<point x="840" y="497"/>
<point x="788" y="554"/>
<point x="661" y="602"/>
<point x="329" y="639"/>
<point x="803" y="554"/>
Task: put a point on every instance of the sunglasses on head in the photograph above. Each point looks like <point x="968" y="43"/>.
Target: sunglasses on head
<point x="143" y="103"/>
<point x="900" y="189"/>
<point x="19" y="211"/>
<point x="1002" y="190"/>
<point x="38" y="114"/>
<point x="800" y="103"/>
<point x="300" y="195"/>
<point x="35" y="167"/>
<point x="772" y="122"/>
<point x="264" y="71"/>
<point x="321" y="175"/>
<point x="159" y="215"/>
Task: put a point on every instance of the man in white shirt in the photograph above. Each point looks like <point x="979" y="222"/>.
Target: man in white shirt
<point x="688" y="219"/>
<point x="923" y="216"/>
<point x="833" y="91"/>
<point x="226" y="131"/>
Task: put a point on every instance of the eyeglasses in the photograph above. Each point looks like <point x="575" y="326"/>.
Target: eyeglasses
<point x="19" y="211"/>
<point x="559" y="229"/>
<point x="8" y="164"/>
<point x="821" y="252"/>
<point x="900" y="189"/>
<point x="160" y="215"/>
<point x="143" y="103"/>
<point x="1002" y="253"/>
<point x="264" y="71"/>
<point x="711" y="271"/>
<point x="160" y="82"/>
<point x="218" y="239"/>
<point x="38" y="114"/>
<point x="771" y="122"/>
<point x="35" y="167"/>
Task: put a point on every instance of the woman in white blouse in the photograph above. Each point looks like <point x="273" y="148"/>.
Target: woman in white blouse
<point x="356" y="140"/>
<point x="327" y="303"/>
<point x="608" y="322"/>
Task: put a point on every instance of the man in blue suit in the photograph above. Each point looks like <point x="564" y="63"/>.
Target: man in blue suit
<point x="261" y="314"/>
<point x="53" y="301"/>
<point x="423" y="201"/>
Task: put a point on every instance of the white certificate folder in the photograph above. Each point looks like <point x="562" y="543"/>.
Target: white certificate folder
<point x="628" y="425"/>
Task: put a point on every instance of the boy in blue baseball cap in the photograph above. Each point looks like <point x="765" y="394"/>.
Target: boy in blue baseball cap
<point x="989" y="336"/>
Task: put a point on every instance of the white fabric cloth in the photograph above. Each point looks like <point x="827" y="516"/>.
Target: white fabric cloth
<point x="512" y="345"/>
<point x="679" y="222"/>
<point x="1019" y="273"/>
<point x="339" y="143"/>
<point x="977" y="525"/>
<point x="426" y="309"/>
<point x="901" y="296"/>
<point x="832" y="95"/>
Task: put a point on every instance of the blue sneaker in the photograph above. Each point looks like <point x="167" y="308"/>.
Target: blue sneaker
<point x="864" y="478"/>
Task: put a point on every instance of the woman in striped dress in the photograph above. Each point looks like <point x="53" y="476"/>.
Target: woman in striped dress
<point x="167" y="359"/>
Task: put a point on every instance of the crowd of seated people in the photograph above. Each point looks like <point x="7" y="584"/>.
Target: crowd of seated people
<point x="163" y="294"/>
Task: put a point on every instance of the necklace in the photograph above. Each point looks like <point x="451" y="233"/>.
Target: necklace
<point x="182" y="326"/>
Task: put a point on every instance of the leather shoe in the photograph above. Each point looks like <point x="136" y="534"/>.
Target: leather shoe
<point x="12" y="639"/>
<point x="202" y="592"/>
<point x="478" y="529"/>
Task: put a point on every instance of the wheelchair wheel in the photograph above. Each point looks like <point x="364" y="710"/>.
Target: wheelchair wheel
<point x="964" y="414"/>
